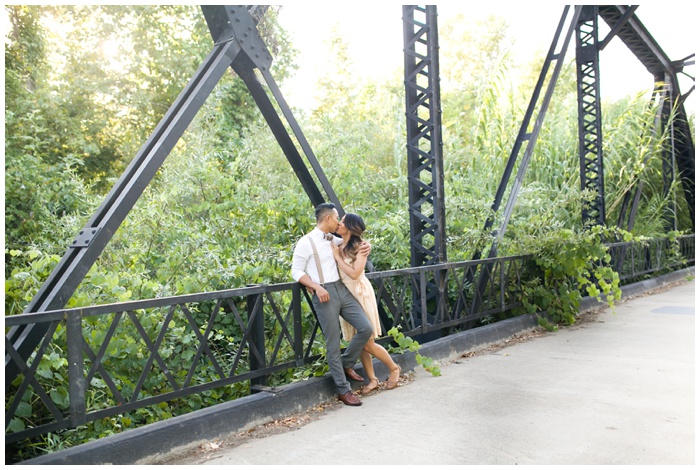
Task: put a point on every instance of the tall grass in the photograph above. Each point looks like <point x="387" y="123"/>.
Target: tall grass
<point x="224" y="218"/>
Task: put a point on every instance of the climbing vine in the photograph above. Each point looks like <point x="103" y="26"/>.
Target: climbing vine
<point x="406" y="343"/>
<point x="570" y="264"/>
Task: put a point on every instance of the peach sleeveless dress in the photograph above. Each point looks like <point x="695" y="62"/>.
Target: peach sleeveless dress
<point x="363" y="291"/>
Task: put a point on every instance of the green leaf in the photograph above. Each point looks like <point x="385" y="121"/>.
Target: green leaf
<point x="45" y="373"/>
<point x="16" y="425"/>
<point x="60" y="397"/>
<point x="24" y="410"/>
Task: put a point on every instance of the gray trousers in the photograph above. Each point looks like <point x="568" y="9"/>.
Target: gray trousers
<point x="341" y="303"/>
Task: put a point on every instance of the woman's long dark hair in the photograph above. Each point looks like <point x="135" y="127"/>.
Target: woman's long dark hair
<point x="356" y="227"/>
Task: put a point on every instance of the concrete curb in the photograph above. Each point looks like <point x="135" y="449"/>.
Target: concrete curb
<point x="191" y="430"/>
<point x="180" y="434"/>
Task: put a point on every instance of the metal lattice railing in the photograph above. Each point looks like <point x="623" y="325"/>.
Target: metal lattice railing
<point x="635" y="260"/>
<point x="125" y="357"/>
<point x="122" y="357"/>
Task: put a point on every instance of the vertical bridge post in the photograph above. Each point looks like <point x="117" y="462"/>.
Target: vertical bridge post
<point x="589" y="114"/>
<point x="424" y="148"/>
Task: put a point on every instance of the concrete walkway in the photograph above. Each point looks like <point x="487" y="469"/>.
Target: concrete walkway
<point x="616" y="388"/>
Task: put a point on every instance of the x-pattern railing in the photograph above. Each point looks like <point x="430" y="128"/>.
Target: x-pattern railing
<point x="128" y="356"/>
<point x="633" y="260"/>
<point x="452" y="307"/>
<point x="137" y="354"/>
<point x="151" y="351"/>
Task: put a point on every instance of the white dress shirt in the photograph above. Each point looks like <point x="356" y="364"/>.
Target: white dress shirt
<point x="303" y="261"/>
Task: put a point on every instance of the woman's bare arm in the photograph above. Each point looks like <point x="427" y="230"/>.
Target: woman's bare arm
<point x="356" y="269"/>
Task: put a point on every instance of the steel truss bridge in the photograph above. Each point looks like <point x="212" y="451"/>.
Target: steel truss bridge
<point x="276" y="323"/>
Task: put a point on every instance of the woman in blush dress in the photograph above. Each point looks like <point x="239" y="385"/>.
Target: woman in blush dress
<point x="351" y="264"/>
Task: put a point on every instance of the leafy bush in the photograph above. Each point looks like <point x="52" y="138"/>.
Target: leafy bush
<point x="567" y="265"/>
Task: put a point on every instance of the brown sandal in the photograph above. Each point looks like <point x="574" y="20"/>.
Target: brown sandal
<point x="372" y="385"/>
<point x="392" y="383"/>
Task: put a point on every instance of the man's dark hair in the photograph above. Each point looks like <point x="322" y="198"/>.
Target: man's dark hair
<point x="322" y="210"/>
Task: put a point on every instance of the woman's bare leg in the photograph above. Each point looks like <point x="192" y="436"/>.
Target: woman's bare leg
<point x="366" y="360"/>
<point x="378" y="351"/>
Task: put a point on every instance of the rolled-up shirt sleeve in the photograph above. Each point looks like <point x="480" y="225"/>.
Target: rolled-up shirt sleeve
<point x="299" y="259"/>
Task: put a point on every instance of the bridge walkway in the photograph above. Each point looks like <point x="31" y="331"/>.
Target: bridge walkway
<point x="615" y="388"/>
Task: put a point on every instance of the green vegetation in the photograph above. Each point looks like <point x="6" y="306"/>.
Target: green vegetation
<point x="568" y="266"/>
<point x="86" y="85"/>
<point x="406" y="343"/>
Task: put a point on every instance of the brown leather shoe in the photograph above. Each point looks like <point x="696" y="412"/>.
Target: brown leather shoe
<point x="349" y="399"/>
<point x="351" y="374"/>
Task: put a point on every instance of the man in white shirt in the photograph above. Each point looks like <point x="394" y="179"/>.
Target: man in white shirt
<point x="331" y="299"/>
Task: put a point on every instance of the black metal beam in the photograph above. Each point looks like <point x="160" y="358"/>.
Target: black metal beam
<point x="678" y="160"/>
<point x="91" y="241"/>
<point x="426" y="200"/>
<point x="636" y="37"/>
<point x="234" y="22"/>
<point x="615" y="29"/>
<point x="308" y="152"/>
<point x="424" y="136"/>
<point x="247" y="74"/>
<point x="525" y="134"/>
<point x="590" y="134"/>
<point x="664" y="90"/>
<point x="237" y="45"/>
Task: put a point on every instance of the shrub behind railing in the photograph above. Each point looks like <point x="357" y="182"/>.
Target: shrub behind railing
<point x="103" y="369"/>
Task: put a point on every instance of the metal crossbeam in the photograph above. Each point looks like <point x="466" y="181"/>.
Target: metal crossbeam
<point x="636" y="37"/>
<point x="237" y="45"/>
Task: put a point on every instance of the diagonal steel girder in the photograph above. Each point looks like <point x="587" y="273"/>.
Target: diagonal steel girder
<point x="640" y="42"/>
<point x="237" y="45"/>
<point x="637" y="38"/>
<point x="529" y="133"/>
